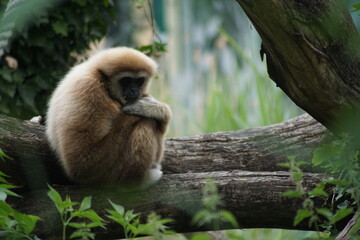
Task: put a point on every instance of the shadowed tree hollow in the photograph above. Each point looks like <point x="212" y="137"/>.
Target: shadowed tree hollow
<point x="312" y="53"/>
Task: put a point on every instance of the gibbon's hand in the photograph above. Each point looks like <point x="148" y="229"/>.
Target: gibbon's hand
<point x="148" y="107"/>
<point x="140" y="107"/>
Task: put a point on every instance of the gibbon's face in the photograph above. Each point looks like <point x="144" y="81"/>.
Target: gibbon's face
<point x="129" y="86"/>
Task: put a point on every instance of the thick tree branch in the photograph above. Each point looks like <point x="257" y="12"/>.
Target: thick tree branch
<point x="242" y="163"/>
<point x="257" y="149"/>
<point x="253" y="197"/>
<point x="313" y="54"/>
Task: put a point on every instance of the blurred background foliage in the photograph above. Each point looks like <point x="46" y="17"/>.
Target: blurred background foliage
<point x="211" y="75"/>
<point x="40" y="40"/>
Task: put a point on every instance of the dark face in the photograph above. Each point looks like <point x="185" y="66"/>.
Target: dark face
<point x="131" y="88"/>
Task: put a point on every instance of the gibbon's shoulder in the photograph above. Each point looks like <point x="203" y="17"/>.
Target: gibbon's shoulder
<point x="119" y="59"/>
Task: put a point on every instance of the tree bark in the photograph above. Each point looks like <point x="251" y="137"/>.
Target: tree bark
<point x="242" y="163"/>
<point x="348" y="230"/>
<point x="253" y="197"/>
<point x="313" y="54"/>
<point x="257" y="149"/>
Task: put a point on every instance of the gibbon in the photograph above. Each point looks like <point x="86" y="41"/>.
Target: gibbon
<point x="103" y="125"/>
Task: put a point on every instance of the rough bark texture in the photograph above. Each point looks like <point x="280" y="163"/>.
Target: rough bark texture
<point x="312" y="51"/>
<point x="253" y="197"/>
<point x="242" y="163"/>
<point x="257" y="149"/>
<point x="348" y="230"/>
<point x="313" y="54"/>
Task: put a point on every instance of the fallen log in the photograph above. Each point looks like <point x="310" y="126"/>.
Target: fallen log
<point x="253" y="197"/>
<point x="257" y="149"/>
<point x="242" y="163"/>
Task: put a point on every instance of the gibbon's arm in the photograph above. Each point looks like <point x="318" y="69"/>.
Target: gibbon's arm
<point x="148" y="107"/>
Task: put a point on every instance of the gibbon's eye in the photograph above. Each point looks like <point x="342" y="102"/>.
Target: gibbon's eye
<point x="125" y="81"/>
<point x="140" y="81"/>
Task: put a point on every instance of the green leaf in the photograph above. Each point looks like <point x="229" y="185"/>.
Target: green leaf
<point x="26" y="222"/>
<point x="317" y="192"/>
<point x="340" y="214"/>
<point x="5" y="208"/>
<point x="229" y="217"/>
<point x="85" y="204"/>
<point x="8" y="89"/>
<point x="56" y="198"/>
<point x="325" y="212"/>
<point x="301" y="215"/>
<point x="200" y="216"/>
<point x="293" y="193"/>
<point x="95" y="224"/>
<point x="343" y="205"/>
<point x="76" y="234"/>
<point x="89" y="214"/>
<point x="60" y="27"/>
<point x="297" y="175"/>
<point x="118" y="208"/>
<point x="326" y="153"/>
<point x="340" y="182"/>
<point x="6" y="75"/>
<point x="76" y="225"/>
<point x="286" y="165"/>
<point x="3" y="156"/>
<point x="356" y="7"/>
<point x="9" y="192"/>
<point x="291" y="158"/>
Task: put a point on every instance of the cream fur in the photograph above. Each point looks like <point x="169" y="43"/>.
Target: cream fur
<point x="96" y="141"/>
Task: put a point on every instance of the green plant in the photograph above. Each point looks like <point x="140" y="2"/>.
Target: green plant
<point x="319" y="217"/>
<point x="211" y="214"/>
<point x="356" y="7"/>
<point x="13" y="224"/>
<point x="68" y="214"/>
<point x="246" y="99"/>
<point x="129" y="221"/>
<point x="341" y="157"/>
<point x="44" y="50"/>
<point x="155" y="226"/>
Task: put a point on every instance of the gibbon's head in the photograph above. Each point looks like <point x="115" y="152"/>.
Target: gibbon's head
<point x="126" y="72"/>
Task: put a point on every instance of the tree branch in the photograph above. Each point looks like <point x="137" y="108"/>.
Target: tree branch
<point x="253" y="197"/>
<point x="257" y="149"/>
<point x="313" y="54"/>
<point x="239" y="162"/>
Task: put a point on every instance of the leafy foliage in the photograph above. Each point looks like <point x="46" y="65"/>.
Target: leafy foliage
<point x="129" y="221"/>
<point x="154" y="49"/>
<point x="356" y="7"/>
<point x="46" y="49"/>
<point x="68" y="214"/>
<point x="340" y="158"/>
<point x="211" y="214"/>
<point x="13" y="224"/>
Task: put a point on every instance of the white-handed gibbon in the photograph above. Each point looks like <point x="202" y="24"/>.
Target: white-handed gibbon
<point x="103" y="125"/>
